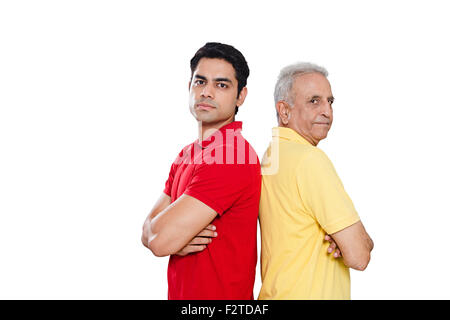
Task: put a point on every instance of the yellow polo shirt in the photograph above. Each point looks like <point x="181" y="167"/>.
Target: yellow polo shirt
<point x="302" y="199"/>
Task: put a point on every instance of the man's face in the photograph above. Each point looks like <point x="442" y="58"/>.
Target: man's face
<point x="213" y="91"/>
<point x="312" y="113"/>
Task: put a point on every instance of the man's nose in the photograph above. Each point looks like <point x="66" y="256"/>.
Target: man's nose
<point x="208" y="91"/>
<point x="327" y="110"/>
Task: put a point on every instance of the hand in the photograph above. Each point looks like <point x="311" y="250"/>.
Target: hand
<point x="333" y="247"/>
<point x="200" y="241"/>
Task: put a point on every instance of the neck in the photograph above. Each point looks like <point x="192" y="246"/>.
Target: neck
<point x="206" y="129"/>
<point x="304" y="136"/>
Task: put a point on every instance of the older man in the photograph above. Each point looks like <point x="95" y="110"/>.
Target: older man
<point x="303" y="200"/>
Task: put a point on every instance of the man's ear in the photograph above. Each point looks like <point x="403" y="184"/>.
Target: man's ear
<point x="284" y="111"/>
<point x="241" y="97"/>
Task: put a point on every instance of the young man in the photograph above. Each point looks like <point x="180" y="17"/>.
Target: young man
<point x="303" y="200"/>
<point x="206" y="218"/>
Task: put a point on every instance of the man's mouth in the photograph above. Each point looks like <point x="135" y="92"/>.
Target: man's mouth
<point x="204" y="106"/>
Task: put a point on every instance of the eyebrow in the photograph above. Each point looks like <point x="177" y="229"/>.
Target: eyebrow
<point x="318" y="97"/>
<point x="222" y="80"/>
<point x="197" y="76"/>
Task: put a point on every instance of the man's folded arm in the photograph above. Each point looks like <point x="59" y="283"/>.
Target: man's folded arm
<point x="329" y="203"/>
<point x="355" y="245"/>
<point x="162" y="203"/>
<point x="171" y="229"/>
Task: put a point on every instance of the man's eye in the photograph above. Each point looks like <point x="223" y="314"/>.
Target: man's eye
<point x="314" y="101"/>
<point x="199" y="82"/>
<point x="222" y="85"/>
<point x="331" y="101"/>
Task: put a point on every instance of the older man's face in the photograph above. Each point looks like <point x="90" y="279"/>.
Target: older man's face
<point x="312" y="114"/>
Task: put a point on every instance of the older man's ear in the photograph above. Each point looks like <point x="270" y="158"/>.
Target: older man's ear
<point x="284" y="112"/>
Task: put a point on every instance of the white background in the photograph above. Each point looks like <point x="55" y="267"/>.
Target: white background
<point x="94" y="108"/>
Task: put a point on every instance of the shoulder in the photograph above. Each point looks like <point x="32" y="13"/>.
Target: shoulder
<point x="314" y="159"/>
<point x="300" y="154"/>
<point x="315" y="155"/>
<point x="236" y="161"/>
<point x="186" y="151"/>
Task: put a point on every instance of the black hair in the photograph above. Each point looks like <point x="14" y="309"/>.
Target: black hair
<point x="227" y="53"/>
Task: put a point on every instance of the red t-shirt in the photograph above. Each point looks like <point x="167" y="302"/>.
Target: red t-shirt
<point x="224" y="173"/>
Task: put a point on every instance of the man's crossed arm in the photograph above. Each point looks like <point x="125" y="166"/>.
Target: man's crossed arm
<point x="354" y="244"/>
<point x="169" y="230"/>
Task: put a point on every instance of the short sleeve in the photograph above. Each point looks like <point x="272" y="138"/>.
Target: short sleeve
<point x="169" y="181"/>
<point x="219" y="185"/>
<point x="173" y="169"/>
<point x="323" y="194"/>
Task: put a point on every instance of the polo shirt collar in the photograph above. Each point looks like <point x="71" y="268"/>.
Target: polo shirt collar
<point x="289" y="134"/>
<point x="236" y="126"/>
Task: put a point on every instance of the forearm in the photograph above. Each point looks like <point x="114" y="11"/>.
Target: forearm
<point x="165" y="234"/>
<point x="370" y="243"/>
<point x="145" y="232"/>
<point x="355" y="246"/>
<point x="359" y="262"/>
<point x="161" y="204"/>
<point x="177" y="225"/>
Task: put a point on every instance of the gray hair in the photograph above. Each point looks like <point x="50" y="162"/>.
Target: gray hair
<point x="287" y="76"/>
